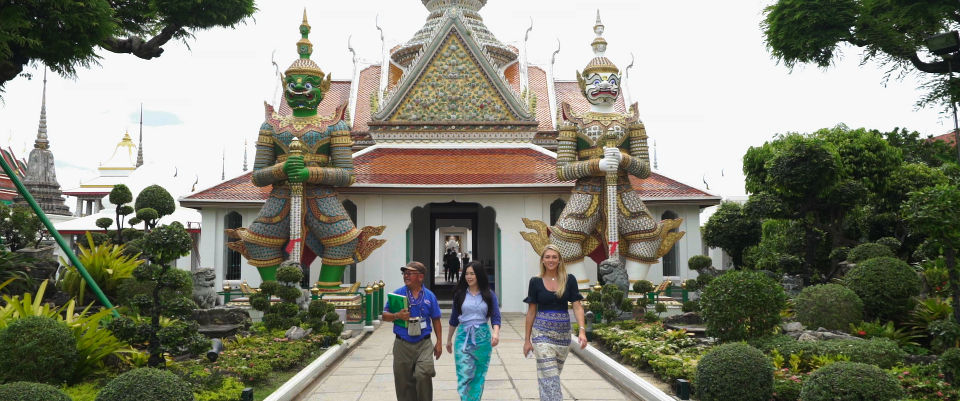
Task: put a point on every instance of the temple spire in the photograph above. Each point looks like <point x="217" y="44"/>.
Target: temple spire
<point x="42" y="142"/>
<point x="244" y="155"/>
<point x="140" y="145"/>
<point x="223" y="157"/>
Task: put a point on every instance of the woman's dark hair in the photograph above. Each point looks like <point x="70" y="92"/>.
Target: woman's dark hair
<point x="460" y="292"/>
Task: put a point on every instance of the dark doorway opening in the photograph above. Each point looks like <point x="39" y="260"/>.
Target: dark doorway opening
<point x="482" y="221"/>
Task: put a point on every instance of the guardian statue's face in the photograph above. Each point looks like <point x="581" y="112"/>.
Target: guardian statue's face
<point x="601" y="88"/>
<point x="302" y="92"/>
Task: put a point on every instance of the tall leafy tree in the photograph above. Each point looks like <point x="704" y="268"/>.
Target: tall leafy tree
<point x="120" y="196"/>
<point x="890" y="32"/>
<point x="65" y="34"/>
<point x="934" y="212"/>
<point x="157" y="198"/>
<point x="732" y="230"/>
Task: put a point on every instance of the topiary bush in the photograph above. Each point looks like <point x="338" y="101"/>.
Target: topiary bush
<point x="886" y="286"/>
<point x="868" y="251"/>
<point x="27" y="391"/>
<point x="734" y="371"/>
<point x="699" y="262"/>
<point x="949" y="363"/>
<point x="281" y="315"/>
<point x="831" y="306"/>
<point x="642" y="286"/>
<point x="146" y="384"/>
<point x="740" y="305"/>
<point x="37" y="349"/>
<point x="850" y="381"/>
<point x="890" y="242"/>
<point x="882" y="352"/>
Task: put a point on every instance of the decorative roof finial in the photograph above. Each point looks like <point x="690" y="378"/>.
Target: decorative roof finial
<point x="244" y="154"/>
<point x="140" y="145"/>
<point x="42" y="142"/>
<point x="223" y="161"/>
<point x="599" y="44"/>
<point x="304" y="47"/>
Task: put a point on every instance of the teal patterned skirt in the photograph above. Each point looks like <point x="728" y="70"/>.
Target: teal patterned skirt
<point x="472" y="351"/>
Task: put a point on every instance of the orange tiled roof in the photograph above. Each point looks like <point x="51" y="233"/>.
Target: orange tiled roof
<point x="948" y="138"/>
<point x="431" y="167"/>
<point x="538" y="84"/>
<point x="369" y="84"/>
<point x="455" y="167"/>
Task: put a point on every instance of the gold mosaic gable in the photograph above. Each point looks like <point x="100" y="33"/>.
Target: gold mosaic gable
<point x="453" y="87"/>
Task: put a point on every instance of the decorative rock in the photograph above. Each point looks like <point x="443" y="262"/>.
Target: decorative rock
<point x="792" y="284"/>
<point x="792" y="327"/>
<point x="295" y="333"/>
<point x="221" y="321"/>
<point x="684" y="319"/>
<point x="807" y="337"/>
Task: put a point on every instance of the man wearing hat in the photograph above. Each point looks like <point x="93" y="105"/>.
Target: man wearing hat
<point x="412" y="367"/>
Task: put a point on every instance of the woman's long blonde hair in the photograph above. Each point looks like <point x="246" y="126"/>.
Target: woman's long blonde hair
<point x="561" y="270"/>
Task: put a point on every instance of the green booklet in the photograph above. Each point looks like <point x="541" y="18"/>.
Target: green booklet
<point x="396" y="303"/>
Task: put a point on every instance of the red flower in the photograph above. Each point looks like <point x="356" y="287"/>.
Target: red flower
<point x="862" y="333"/>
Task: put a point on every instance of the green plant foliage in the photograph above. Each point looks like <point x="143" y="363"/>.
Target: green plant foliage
<point x="19" y="226"/>
<point x="13" y="272"/>
<point x="949" y="363"/>
<point x="642" y="286"/>
<point x="850" y="381"/>
<point x="146" y="384"/>
<point x="868" y="250"/>
<point x="85" y="391"/>
<point x="945" y="334"/>
<point x="670" y="354"/>
<point x="886" y="286"/>
<point x="156" y="198"/>
<point x="27" y="391"/>
<point x="179" y="338"/>
<point x="167" y="243"/>
<point x="106" y="264"/>
<point x="104" y="222"/>
<point x="890" y="242"/>
<point x="690" y="306"/>
<point x="831" y="306"/>
<point x="289" y="274"/>
<point x="253" y="358"/>
<point x="881" y="352"/>
<point x="888" y="330"/>
<point x="700" y="262"/>
<point x="742" y="304"/>
<point x="734" y="372"/>
<point x="38" y="349"/>
<point x="925" y="382"/>
<point x="228" y="390"/>
<point x="691" y="284"/>
<point x="730" y="228"/>
<point x="932" y="213"/>
<point x="928" y="311"/>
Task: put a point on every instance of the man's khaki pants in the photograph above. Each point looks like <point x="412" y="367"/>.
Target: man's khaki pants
<point x="413" y="369"/>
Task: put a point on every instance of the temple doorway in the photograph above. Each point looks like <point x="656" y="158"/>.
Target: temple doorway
<point x="464" y="228"/>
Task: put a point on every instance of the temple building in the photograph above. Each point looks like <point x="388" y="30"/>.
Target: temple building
<point x="7" y="190"/>
<point x="41" y="174"/>
<point x="115" y="170"/>
<point x="454" y="140"/>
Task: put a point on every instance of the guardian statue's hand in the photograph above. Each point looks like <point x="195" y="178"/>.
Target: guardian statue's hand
<point x="295" y="169"/>
<point x="609" y="165"/>
<point x="612" y="153"/>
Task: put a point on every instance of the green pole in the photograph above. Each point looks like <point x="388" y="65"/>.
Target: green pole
<point x="63" y="244"/>
<point x="368" y="300"/>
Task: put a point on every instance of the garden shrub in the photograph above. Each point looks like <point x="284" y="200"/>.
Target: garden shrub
<point x="839" y="253"/>
<point x="691" y="284"/>
<point x="868" y="251"/>
<point x="642" y="286"/>
<point x="881" y="352"/>
<point x="146" y="384"/>
<point x="37" y="349"/>
<point x="85" y="391"/>
<point x="787" y="389"/>
<point x="945" y="333"/>
<point x="925" y="382"/>
<point x="890" y="242"/>
<point x="850" y="381"/>
<point x="886" y="286"/>
<point x="107" y="265"/>
<point x="734" y="371"/>
<point x="252" y="359"/>
<point x="949" y="363"/>
<point x="285" y="314"/>
<point x="699" y="262"/>
<point x="27" y="391"/>
<point x="690" y="306"/>
<point x="831" y="306"/>
<point x="742" y="304"/>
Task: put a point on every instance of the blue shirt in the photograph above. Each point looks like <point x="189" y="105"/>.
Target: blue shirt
<point x="424" y="306"/>
<point x="473" y="312"/>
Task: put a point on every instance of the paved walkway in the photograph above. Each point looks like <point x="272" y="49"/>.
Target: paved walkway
<point x="366" y="373"/>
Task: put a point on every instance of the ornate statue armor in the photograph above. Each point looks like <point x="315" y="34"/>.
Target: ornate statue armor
<point x="326" y="163"/>
<point x="599" y="149"/>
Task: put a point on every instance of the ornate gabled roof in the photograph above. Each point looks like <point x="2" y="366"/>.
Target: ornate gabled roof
<point x="469" y="10"/>
<point x="7" y="190"/>
<point x="453" y="62"/>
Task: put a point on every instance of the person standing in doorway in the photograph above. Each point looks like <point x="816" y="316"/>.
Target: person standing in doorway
<point x="473" y="303"/>
<point x="547" y="328"/>
<point x="413" y="370"/>
<point x="446" y="266"/>
<point x="453" y="260"/>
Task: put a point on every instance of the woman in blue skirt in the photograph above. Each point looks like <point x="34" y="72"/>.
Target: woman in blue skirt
<point x="473" y="304"/>
<point x="547" y="328"/>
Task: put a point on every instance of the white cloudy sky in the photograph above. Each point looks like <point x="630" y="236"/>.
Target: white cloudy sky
<point x="706" y="86"/>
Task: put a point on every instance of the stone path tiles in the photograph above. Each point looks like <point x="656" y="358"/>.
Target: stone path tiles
<point x="366" y="373"/>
